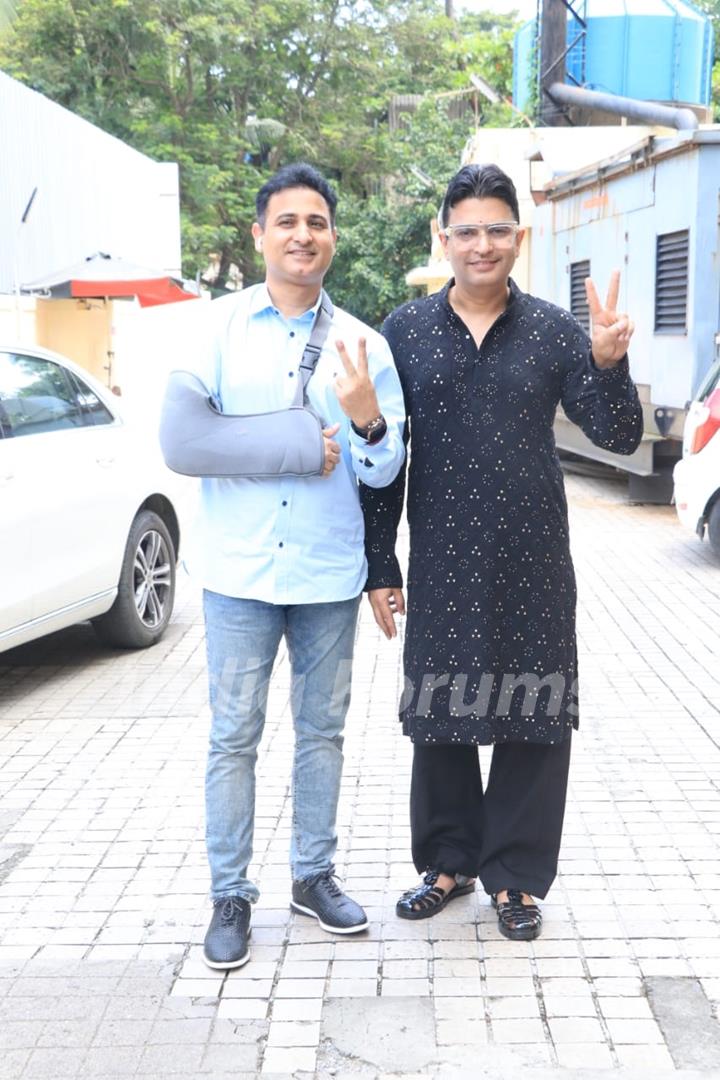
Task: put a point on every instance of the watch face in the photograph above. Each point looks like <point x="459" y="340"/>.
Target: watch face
<point x="376" y="430"/>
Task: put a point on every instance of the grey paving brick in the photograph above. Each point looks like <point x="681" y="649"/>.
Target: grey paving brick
<point x="171" y="1007"/>
<point x="110" y="1032"/>
<point x="230" y="1056"/>
<point x="143" y="987"/>
<point x="132" y="1008"/>
<point x="239" y="1031"/>
<point x="58" y="1061"/>
<point x="17" y="1034"/>
<point x="67" y="1033"/>
<point x="12" y="1063"/>
<point x="120" y="1059"/>
<point x="51" y="1008"/>
<point x="165" y="1059"/>
<point x="101" y="768"/>
<point x="232" y="1075"/>
<point x="181" y="1031"/>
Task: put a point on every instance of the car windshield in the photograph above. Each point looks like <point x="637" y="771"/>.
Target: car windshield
<point x="712" y="382"/>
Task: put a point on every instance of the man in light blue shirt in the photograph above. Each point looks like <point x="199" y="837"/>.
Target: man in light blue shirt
<point x="283" y="556"/>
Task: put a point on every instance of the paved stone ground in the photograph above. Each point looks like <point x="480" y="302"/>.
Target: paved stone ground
<point x="103" y="879"/>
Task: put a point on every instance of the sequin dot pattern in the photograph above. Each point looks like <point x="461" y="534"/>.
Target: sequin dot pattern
<point x="490" y="652"/>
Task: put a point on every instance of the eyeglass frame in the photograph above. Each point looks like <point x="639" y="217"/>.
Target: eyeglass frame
<point x="448" y="230"/>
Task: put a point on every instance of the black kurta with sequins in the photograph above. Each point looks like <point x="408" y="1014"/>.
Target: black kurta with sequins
<point x="490" y="652"/>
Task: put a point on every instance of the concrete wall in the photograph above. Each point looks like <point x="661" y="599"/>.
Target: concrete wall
<point x="17" y="320"/>
<point x="80" y="329"/>
<point x="147" y="344"/>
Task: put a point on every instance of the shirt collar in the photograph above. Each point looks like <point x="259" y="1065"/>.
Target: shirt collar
<point x="261" y="302"/>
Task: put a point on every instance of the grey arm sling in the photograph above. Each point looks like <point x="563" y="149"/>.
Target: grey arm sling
<point x="198" y="439"/>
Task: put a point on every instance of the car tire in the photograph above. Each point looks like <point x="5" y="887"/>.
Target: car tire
<point x="146" y="589"/>
<point x="713" y="527"/>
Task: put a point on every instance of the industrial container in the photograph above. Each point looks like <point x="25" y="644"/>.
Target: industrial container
<point x="654" y="50"/>
<point x="653" y="212"/>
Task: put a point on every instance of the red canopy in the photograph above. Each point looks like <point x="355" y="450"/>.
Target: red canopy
<point x="101" y="275"/>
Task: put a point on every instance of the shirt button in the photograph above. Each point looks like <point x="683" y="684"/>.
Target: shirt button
<point x="291" y="374"/>
<point x="280" y="544"/>
<point x="284" y="502"/>
<point x="292" y="333"/>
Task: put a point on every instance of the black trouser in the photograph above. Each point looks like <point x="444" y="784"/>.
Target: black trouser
<point x="509" y="835"/>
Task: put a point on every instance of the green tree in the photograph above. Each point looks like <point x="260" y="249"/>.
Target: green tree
<point x="383" y="236"/>
<point x="195" y="81"/>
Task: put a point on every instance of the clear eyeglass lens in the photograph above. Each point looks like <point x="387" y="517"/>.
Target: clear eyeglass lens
<point x="500" y="233"/>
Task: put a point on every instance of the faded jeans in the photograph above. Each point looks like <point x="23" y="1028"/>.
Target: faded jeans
<point x="243" y="637"/>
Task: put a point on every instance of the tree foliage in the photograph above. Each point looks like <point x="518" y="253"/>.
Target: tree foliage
<point x="382" y="236"/>
<point x="232" y="88"/>
<point x="712" y="8"/>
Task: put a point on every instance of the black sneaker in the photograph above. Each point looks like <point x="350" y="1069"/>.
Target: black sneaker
<point x="226" y="941"/>
<point x="321" y="897"/>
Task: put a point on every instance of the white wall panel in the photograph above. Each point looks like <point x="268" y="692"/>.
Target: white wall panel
<point x="95" y="193"/>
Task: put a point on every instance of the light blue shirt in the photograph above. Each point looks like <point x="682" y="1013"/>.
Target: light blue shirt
<point x="286" y="539"/>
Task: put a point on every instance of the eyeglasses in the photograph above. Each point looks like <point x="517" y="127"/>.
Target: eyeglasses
<point x="498" y="233"/>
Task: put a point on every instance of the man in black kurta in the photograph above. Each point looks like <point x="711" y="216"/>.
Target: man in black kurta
<point x="490" y="652"/>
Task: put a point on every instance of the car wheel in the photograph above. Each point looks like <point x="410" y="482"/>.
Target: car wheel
<point x="146" y="589"/>
<point x="713" y="527"/>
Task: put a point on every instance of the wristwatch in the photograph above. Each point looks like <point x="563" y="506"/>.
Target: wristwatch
<point x="374" y="431"/>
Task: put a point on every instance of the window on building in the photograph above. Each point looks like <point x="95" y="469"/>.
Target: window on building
<point x="578" y="300"/>
<point x="671" y="282"/>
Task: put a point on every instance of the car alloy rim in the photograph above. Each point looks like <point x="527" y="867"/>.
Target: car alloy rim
<point x="152" y="579"/>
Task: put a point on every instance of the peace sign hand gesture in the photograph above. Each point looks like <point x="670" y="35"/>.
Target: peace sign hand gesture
<point x="355" y="390"/>
<point x="611" y="332"/>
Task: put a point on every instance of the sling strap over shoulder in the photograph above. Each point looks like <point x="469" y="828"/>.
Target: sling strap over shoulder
<point x="311" y="353"/>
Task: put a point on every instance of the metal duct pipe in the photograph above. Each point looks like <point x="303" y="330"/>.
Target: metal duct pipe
<point x="646" y="111"/>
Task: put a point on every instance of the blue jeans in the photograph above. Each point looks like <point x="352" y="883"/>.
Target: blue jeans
<point x="242" y="641"/>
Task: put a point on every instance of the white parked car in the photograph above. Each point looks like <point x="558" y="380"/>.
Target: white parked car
<point x="697" y="475"/>
<point x="89" y="527"/>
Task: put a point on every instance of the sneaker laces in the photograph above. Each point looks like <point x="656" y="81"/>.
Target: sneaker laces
<point x="232" y="906"/>
<point x="329" y="879"/>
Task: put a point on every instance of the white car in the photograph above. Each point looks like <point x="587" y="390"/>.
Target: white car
<point x="697" y="475"/>
<point x="88" y="522"/>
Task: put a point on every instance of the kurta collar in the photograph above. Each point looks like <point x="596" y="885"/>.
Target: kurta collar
<point x="515" y="294"/>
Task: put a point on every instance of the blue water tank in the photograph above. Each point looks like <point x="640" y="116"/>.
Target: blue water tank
<point x="655" y="50"/>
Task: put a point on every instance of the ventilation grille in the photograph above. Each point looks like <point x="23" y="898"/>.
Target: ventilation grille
<point x="671" y="282"/>
<point x="578" y="300"/>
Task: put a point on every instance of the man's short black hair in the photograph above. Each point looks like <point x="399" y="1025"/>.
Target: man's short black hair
<point x="479" y="182"/>
<point x="294" y="176"/>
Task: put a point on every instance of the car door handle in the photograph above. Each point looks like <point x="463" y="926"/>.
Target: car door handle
<point x="7" y="476"/>
<point x="105" y="461"/>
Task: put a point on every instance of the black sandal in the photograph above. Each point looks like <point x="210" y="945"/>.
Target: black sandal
<point x="428" y="897"/>
<point x="517" y="921"/>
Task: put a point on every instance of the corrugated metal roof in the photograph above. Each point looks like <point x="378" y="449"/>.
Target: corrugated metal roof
<point x="647" y="150"/>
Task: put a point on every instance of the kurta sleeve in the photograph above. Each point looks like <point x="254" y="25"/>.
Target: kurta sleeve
<point x="382" y="510"/>
<point x="603" y="402"/>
